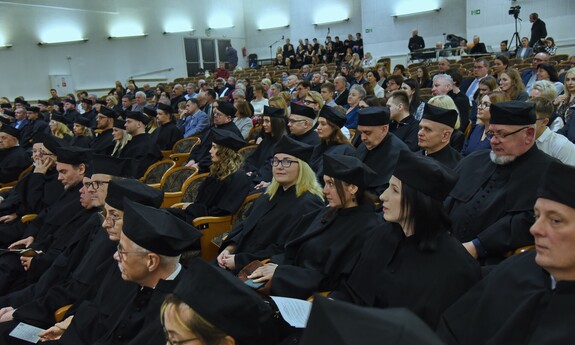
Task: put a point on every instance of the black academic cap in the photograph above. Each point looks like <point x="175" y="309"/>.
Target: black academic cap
<point x="119" y="123"/>
<point x="20" y="100"/>
<point x="81" y="120"/>
<point x="294" y="147"/>
<point x="101" y="102"/>
<point x="9" y="112"/>
<point x="87" y="101"/>
<point x="5" y="121"/>
<point x="133" y="190"/>
<point x="424" y="174"/>
<point x="157" y="230"/>
<point x="6" y="128"/>
<point x="227" y="108"/>
<point x="165" y="107"/>
<point x="150" y="112"/>
<point x="138" y="116"/>
<point x="340" y="323"/>
<point x="105" y="164"/>
<point x="50" y="142"/>
<point x="224" y="301"/>
<point x="228" y="139"/>
<point x="554" y="185"/>
<point x="444" y="116"/>
<point x="60" y="118"/>
<point x="302" y="110"/>
<point x="333" y="115"/>
<point x="5" y="106"/>
<point x="44" y="103"/>
<point x="348" y="169"/>
<point x="70" y="100"/>
<point x="33" y="109"/>
<point x="515" y="113"/>
<point x="274" y="112"/>
<point x="108" y="112"/>
<point x="373" y="116"/>
<point x="73" y="155"/>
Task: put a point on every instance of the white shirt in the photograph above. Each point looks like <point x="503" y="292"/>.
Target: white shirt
<point x="558" y="146"/>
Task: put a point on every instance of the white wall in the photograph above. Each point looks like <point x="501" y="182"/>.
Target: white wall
<point x="99" y="62"/>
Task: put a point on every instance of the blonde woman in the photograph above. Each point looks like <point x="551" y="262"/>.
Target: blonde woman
<point x="59" y="128"/>
<point x="294" y="191"/>
<point x="121" y="137"/>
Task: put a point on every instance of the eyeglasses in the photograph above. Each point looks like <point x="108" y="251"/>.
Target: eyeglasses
<point x="295" y="121"/>
<point x="95" y="184"/>
<point x="110" y="218"/>
<point x="308" y="102"/>
<point x="177" y="342"/>
<point x="122" y="254"/>
<point x="490" y="134"/>
<point x="484" y="105"/>
<point x="286" y="163"/>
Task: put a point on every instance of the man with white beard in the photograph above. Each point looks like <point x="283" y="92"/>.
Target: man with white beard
<point x="492" y="204"/>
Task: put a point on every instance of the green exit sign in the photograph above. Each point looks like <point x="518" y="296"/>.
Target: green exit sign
<point x="475" y="12"/>
<point x="367" y="31"/>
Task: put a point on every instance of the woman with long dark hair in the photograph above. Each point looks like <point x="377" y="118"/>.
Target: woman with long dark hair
<point x="416" y="106"/>
<point x="413" y="262"/>
<point x="274" y="128"/>
<point x="167" y="133"/>
<point x="329" y="124"/>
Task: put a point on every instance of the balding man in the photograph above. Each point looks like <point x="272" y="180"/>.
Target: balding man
<point x="478" y="47"/>
<point x="13" y="158"/>
<point x="529" y="76"/>
<point x="177" y="97"/>
<point x="529" y="298"/>
<point x="491" y="205"/>
<point x="416" y="42"/>
<point x="443" y="85"/>
<point x="341" y="91"/>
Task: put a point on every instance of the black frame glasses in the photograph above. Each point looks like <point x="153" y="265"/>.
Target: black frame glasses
<point x="110" y="218"/>
<point x="286" y="163"/>
<point x="490" y="134"/>
<point x="95" y="184"/>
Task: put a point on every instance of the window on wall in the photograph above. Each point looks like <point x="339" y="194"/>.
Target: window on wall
<point x="204" y="54"/>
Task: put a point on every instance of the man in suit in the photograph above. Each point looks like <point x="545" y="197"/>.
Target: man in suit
<point x="341" y="92"/>
<point x="470" y="86"/>
<point x="415" y="41"/>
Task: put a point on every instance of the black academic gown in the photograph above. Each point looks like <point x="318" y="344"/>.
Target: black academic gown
<point x="457" y="140"/>
<point x="446" y="156"/>
<point x="382" y="159"/>
<point x="406" y="130"/>
<point x="392" y="272"/>
<point x="143" y="151"/>
<point x="67" y="279"/>
<point x="218" y="197"/>
<point x="30" y="130"/>
<point x="103" y="143"/>
<point x="81" y="141"/>
<point x="320" y="255"/>
<point x="492" y="202"/>
<point x="264" y="232"/>
<point x="167" y="135"/>
<point x="201" y="153"/>
<point x="514" y="304"/>
<point x="259" y="162"/>
<point x="316" y="161"/>
<point x="12" y="162"/>
<point x="310" y="138"/>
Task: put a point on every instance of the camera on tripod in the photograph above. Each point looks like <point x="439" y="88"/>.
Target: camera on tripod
<point x="514" y="11"/>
